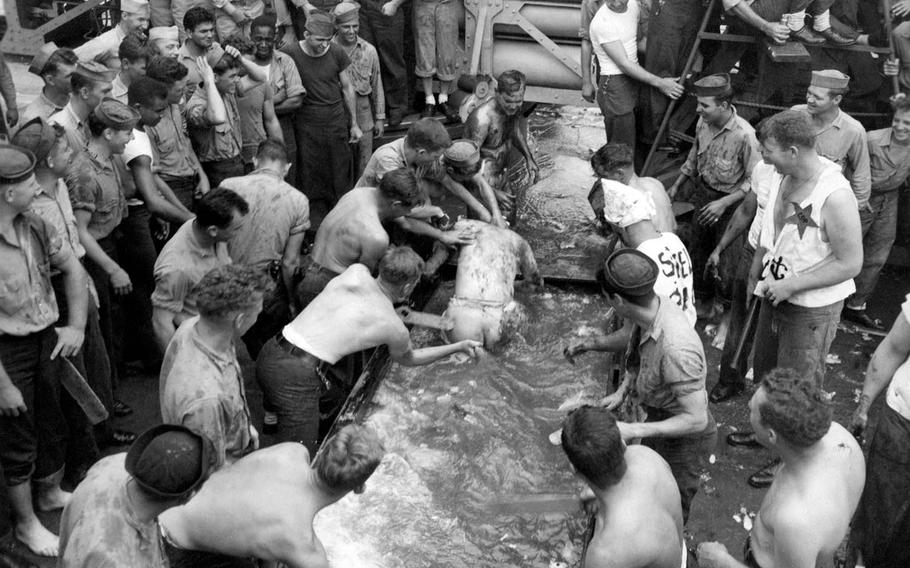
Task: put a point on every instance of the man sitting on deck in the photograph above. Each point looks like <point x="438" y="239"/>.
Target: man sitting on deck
<point x="639" y="520"/>
<point x="482" y="305"/>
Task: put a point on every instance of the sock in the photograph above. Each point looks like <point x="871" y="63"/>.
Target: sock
<point x="430" y="99"/>
<point x="796" y="21"/>
<point x="270" y="418"/>
<point x="822" y="21"/>
<point x="443" y="98"/>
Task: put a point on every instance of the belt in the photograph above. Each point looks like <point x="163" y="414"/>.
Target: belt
<point x="319" y="365"/>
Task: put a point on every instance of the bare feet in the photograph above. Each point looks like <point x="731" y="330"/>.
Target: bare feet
<point x="52" y="498"/>
<point x="37" y="538"/>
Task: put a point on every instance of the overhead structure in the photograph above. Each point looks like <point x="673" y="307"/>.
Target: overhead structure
<point x="32" y="23"/>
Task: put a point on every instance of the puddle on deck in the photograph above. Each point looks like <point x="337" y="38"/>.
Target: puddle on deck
<point x="459" y="432"/>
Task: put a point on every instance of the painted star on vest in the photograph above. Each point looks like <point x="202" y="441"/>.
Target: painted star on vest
<point x="802" y="218"/>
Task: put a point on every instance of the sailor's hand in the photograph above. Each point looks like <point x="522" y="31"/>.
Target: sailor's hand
<point x="900" y="8"/>
<point x="576" y="348"/>
<point x="233" y="51"/>
<point x="711" y="555"/>
<point x="859" y="421"/>
<point x="389" y="9"/>
<point x="12" y="116"/>
<point x="612" y="401"/>
<point x="711" y="213"/>
<point x="504" y="198"/>
<point x="669" y="87"/>
<point x="471" y="347"/>
<point x="533" y="171"/>
<point x="11" y="401"/>
<point x="120" y="280"/>
<point x="378" y="128"/>
<point x="711" y="265"/>
<point x="69" y="341"/>
<point x="455" y="237"/>
<point x="588" y="91"/>
<point x="356" y="134"/>
<point x="205" y="70"/>
<point x="891" y="67"/>
<point x="404" y="312"/>
<point x="776" y="291"/>
<point x="779" y="33"/>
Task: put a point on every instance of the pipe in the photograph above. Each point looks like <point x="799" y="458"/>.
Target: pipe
<point x="540" y="66"/>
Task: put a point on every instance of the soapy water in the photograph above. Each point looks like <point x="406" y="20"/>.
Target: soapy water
<point x="459" y="433"/>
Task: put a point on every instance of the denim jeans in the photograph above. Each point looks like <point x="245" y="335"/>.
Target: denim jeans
<point x="687" y="456"/>
<point x="795" y="337"/>
<point x="19" y="435"/>
<point x="879" y="231"/>
<point x="617" y="96"/>
<point x="738" y="312"/>
<point x="292" y="383"/>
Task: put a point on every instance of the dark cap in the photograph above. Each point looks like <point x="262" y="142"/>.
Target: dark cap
<point x="712" y="86"/>
<point x="94" y="71"/>
<point x="168" y="461"/>
<point x="628" y="272"/>
<point x="16" y="163"/>
<point x="41" y="58"/>
<point x="36" y="136"/>
<point x="321" y="24"/>
<point x="116" y="115"/>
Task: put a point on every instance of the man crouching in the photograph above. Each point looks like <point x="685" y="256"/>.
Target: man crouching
<point x="482" y="308"/>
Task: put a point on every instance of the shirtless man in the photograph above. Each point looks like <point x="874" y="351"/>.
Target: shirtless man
<point x="235" y="513"/>
<point x="353" y="313"/>
<point x="352" y="232"/>
<point x="482" y="306"/>
<point x="638" y="520"/>
<point x="807" y="510"/>
<point x="496" y="126"/>
<point x="614" y="162"/>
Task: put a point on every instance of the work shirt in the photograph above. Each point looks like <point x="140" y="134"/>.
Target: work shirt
<point x="898" y="394"/>
<point x="27" y="301"/>
<point x="180" y="266"/>
<point x="608" y="26"/>
<point x="277" y="212"/>
<point x="99" y="190"/>
<point x="844" y="143"/>
<point x="100" y="527"/>
<point x="667" y="360"/>
<point x="102" y="48"/>
<point x="889" y="162"/>
<point x="77" y="132"/>
<point x="801" y="246"/>
<point x="284" y="77"/>
<point x="40" y="106"/>
<point x="119" y="90"/>
<point x="202" y="390"/>
<point x="390" y="157"/>
<point x="723" y="159"/>
<point x="365" y="75"/>
<point x="214" y="142"/>
<point x="169" y="138"/>
<point x="57" y="210"/>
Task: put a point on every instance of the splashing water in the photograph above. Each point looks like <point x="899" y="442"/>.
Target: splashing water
<point x="459" y="433"/>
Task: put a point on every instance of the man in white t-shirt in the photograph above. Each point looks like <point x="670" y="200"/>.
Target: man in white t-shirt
<point x="149" y="98"/>
<point x="629" y="212"/>
<point x="882" y="527"/>
<point x="614" y="37"/>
